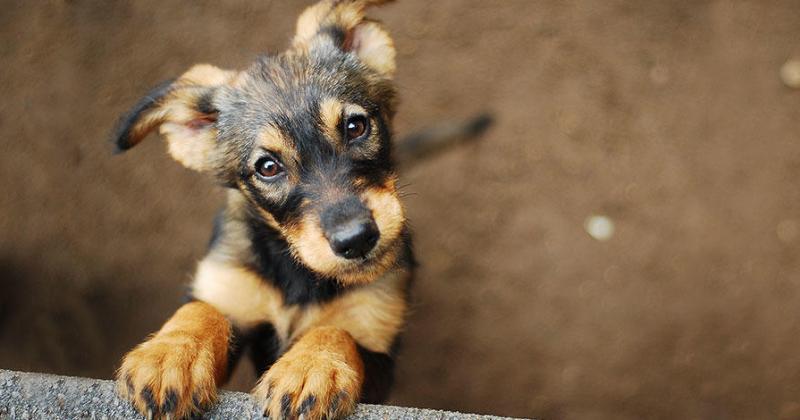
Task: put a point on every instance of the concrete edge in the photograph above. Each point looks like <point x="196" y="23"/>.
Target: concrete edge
<point x="42" y="396"/>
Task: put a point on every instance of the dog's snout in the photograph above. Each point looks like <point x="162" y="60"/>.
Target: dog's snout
<point x="354" y="239"/>
<point x="350" y="229"/>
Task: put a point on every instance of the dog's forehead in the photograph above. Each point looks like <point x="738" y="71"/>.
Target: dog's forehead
<point x="302" y="96"/>
<point x="291" y="92"/>
<point x="293" y="84"/>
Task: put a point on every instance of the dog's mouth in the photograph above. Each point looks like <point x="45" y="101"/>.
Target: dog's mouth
<point x="370" y="266"/>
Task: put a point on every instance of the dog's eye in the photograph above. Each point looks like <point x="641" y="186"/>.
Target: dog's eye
<point x="356" y="127"/>
<point x="268" y="168"/>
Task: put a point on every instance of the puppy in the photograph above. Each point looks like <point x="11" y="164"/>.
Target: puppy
<point x="310" y="262"/>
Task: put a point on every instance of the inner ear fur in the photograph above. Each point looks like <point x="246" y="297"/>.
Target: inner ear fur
<point x="344" y="22"/>
<point x="183" y="112"/>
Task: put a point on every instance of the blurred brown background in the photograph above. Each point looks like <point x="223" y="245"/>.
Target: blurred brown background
<point x="669" y="117"/>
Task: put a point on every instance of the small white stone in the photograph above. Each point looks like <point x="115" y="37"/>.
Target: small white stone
<point x="790" y="73"/>
<point x="599" y="227"/>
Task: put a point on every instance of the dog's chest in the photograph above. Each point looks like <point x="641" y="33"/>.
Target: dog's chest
<point x="372" y="314"/>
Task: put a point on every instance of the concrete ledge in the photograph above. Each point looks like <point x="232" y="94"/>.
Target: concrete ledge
<point x="40" y="396"/>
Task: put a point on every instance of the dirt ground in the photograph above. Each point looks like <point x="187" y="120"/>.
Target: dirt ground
<point x="666" y="116"/>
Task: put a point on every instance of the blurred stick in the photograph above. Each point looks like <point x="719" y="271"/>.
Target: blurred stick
<point x="432" y="141"/>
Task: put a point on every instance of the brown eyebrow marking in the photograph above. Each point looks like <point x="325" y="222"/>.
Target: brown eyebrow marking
<point x="274" y="140"/>
<point x="353" y="109"/>
<point x="330" y="112"/>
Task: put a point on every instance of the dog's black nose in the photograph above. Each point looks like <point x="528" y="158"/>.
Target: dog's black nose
<point x="354" y="239"/>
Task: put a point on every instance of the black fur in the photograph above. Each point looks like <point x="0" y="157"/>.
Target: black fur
<point x="205" y="104"/>
<point x="378" y="376"/>
<point x="273" y="261"/>
<point x="122" y="132"/>
<point x="236" y="346"/>
<point x="264" y="347"/>
<point x="406" y="258"/>
<point x="283" y="211"/>
<point x="335" y="33"/>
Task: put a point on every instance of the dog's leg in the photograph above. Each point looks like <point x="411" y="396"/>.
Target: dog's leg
<point x="319" y="377"/>
<point x="176" y="371"/>
<point x="342" y="353"/>
<point x="378" y="376"/>
<point x="265" y="347"/>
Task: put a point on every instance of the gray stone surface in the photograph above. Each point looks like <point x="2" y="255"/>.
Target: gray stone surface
<point x="40" y="396"/>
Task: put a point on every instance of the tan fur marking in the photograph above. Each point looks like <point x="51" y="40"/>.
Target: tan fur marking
<point x="238" y="199"/>
<point x="354" y="109"/>
<point x="191" y="147"/>
<point x="146" y="124"/>
<point x="241" y="295"/>
<point x="345" y="14"/>
<point x="188" y="357"/>
<point x="323" y="364"/>
<point x="207" y="75"/>
<point x="309" y="245"/>
<point x="375" y="48"/>
<point x="274" y="140"/>
<point x="308" y="242"/>
<point x="330" y="111"/>
<point x="373" y="314"/>
<point x="387" y="212"/>
<point x="233" y="243"/>
<point x="270" y="219"/>
<point x="309" y="21"/>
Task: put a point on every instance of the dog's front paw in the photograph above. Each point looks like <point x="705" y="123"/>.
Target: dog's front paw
<point x="169" y="376"/>
<point x="320" y="377"/>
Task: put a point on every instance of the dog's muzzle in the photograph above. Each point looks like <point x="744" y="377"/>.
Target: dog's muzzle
<point x="350" y="228"/>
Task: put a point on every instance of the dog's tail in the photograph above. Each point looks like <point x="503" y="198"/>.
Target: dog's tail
<point x="431" y="141"/>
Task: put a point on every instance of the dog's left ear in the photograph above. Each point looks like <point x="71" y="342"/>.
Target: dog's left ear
<point x="183" y="112"/>
<point x="343" y="22"/>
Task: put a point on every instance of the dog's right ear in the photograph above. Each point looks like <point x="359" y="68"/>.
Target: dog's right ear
<point x="183" y="111"/>
<point x="345" y="23"/>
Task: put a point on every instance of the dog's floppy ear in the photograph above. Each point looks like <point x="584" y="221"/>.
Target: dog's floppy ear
<point x="343" y="22"/>
<point x="183" y="112"/>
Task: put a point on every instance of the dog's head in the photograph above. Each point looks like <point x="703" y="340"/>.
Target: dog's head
<point x="304" y="135"/>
